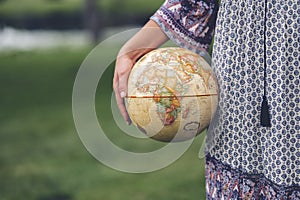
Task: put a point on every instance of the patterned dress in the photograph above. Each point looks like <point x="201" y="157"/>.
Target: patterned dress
<point x="256" y="53"/>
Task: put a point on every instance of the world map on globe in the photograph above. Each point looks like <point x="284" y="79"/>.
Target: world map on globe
<point x="172" y="94"/>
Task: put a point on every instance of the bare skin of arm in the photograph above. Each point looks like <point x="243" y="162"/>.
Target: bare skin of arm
<point x="148" y="38"/>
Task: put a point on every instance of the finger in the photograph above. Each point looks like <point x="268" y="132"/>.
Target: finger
<point x="122" y="88"/>
<point x="122" y="108"/>
<point x="123" y="71"/>
<point x="120" y="99"/>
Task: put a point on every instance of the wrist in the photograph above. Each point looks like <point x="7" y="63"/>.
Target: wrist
<point x="148" y="38"/>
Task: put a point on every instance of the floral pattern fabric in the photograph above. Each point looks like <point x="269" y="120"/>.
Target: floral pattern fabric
<point x="244" y="159"/>
<point x="225" y="182"/>
<point x="189" y="23"/>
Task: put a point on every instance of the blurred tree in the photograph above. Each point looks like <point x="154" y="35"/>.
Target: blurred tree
<point x="92" y="19"/>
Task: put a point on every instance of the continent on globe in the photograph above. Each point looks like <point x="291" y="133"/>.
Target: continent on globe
<point x="172" y="94"/>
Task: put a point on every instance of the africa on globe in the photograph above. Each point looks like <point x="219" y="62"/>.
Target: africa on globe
<point x="172" y="94"/>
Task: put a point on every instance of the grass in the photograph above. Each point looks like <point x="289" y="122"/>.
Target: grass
<point x="130" y="6"/>
<point x="41" y="155"/>
<point x="17" y="8"/>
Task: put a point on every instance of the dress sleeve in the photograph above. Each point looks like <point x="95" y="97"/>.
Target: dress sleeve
<point x="188" y="23"/>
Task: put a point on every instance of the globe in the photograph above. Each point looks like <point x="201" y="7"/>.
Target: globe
<point x="172" y="94"/>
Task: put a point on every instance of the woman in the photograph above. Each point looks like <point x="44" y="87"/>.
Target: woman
<point x="253" y="144"/>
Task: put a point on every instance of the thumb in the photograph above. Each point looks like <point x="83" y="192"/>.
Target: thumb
<point x="123" y="75"/>
<point x="122" y="87"/>
<point x="122" y="72"/>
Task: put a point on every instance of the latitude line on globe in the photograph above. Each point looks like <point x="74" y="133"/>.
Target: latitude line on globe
<point x="171" y="96"/>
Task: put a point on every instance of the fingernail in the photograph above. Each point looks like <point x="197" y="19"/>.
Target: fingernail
<point x="122" y="94"/>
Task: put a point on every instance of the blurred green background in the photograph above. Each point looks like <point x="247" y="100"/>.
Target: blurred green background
<point x="41" y="155"/>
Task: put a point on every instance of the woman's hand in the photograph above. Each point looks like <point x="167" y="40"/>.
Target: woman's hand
<point x="122" y="70"/>
<point x="147" y="39"/>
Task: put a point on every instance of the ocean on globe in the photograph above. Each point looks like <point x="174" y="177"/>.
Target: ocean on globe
<point x="172" y="94"/>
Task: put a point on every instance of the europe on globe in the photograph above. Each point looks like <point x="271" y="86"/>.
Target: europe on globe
<point x="172" y="94"/>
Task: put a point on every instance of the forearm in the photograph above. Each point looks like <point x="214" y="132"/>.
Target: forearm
<point x="148" y="38"/>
